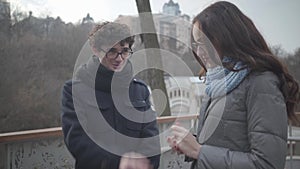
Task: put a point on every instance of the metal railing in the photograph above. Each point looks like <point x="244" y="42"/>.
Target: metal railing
<point x="45" y="147"/>
<point x="293" y="159"/>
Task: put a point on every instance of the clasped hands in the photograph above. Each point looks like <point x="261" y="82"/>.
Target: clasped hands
<point x="183" y="142"/>
<point x="180" y="140"/>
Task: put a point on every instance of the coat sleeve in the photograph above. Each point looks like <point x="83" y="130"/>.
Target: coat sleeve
<point x="267" y="131"/>
<point x="150" y="129"/>
<point x="87" y="153"/>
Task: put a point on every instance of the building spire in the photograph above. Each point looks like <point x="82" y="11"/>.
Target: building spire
<point x="171" y="8"/>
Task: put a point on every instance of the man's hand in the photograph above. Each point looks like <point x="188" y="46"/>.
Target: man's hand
<point x="134" y="160"/>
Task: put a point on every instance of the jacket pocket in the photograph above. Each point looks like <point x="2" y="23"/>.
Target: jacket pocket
<point x="139" y="105"/>
<point x="134" y="126"/>
<point x="133" y="129"/>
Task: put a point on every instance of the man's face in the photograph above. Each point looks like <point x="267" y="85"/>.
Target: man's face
<point x="116" y="57"/>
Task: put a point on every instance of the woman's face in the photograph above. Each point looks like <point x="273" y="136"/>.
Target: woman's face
<point x="200" y="47"/>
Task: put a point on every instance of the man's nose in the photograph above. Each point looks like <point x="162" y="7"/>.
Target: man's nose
<point x="119" y="57"/>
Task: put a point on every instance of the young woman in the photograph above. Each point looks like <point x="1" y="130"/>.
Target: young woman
<point x="249" y="96"/>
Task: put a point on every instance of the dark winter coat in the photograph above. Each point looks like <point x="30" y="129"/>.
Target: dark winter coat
<point x="246" y="129"/>
<point x="99" y="121"/>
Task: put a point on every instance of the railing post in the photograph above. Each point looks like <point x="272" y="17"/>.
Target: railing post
<point x="3" y="156"/>
<point x="291" y="146"/>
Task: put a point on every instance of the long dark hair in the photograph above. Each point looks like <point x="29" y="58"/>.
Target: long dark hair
<point x="233" y="34"/>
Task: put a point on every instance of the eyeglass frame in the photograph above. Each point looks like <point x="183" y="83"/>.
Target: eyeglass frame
<point x="118" y="53"/>
<point x="196" y="45"/>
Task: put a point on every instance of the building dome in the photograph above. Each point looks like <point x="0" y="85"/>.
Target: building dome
<point x="171" y="8"/>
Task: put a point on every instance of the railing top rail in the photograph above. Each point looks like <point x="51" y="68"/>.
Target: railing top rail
<point x="30" y="134"/>
<point x="57" y="131"/>
<point x="294" y="138"/>
<point x="168" y="119"/>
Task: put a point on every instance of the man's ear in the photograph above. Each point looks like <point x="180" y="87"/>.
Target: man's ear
<point x="95" y="51"/>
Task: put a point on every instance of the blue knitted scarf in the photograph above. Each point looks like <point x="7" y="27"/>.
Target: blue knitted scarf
<point x="221" y="81"/>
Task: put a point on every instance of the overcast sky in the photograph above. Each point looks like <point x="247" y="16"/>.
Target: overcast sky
<point x="278" y="20"/>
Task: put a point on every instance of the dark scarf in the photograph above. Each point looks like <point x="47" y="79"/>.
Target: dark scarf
<point x="96" y="75"/>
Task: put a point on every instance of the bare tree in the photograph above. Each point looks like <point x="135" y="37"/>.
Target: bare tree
<point x="17" y="14"/>
<point x="155" y="77"/>
<point x="279" y="51"/>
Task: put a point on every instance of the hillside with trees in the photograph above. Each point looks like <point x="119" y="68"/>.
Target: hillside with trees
<point x="37" y="55"/>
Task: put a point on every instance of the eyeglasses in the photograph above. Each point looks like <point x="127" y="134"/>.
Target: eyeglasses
<point x="200" y="49"/>
<point x="196" y="45"/>
<point x="113" y="53"/>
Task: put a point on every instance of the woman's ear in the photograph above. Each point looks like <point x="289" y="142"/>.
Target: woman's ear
<point x="201" y="73"/>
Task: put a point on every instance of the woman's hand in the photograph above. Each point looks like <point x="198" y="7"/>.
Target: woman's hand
<point x="184" y="142"/>
<point x="134" y="160"/>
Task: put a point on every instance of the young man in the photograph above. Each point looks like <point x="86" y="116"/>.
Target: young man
<point x="105" y="112"/>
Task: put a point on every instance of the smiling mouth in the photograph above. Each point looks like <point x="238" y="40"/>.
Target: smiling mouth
<point x="116" y="65"/>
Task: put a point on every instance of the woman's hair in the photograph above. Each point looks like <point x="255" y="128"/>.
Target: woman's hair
<point x="234" y="35"/>
<point x="109" y="33"/>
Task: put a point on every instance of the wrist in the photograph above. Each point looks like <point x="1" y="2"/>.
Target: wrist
<point x="196" y="152"/>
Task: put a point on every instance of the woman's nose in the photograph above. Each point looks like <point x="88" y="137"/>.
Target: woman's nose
<point x="200" y="52"/>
